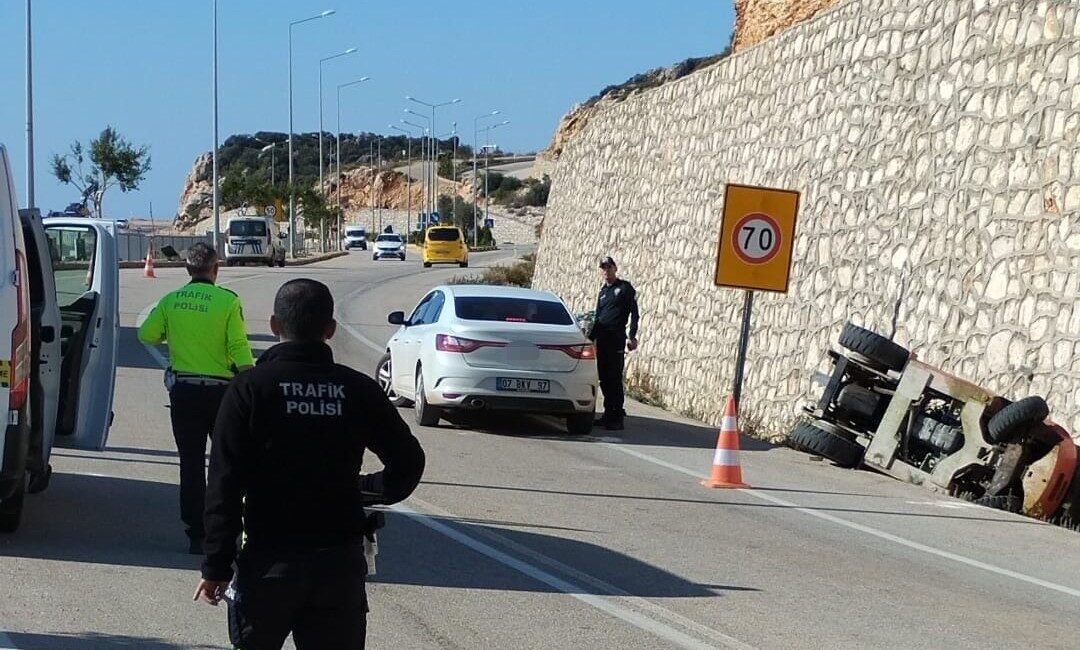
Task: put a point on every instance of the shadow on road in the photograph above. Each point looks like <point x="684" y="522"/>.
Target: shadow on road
<point x="413" y="554"/>
<point x="131" y="353"/>
<point x="103" y="520"/>
<point x="93" y="641"/>
<point x="640" y="430"/>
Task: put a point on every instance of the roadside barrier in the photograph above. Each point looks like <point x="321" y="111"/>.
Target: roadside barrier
<point x="726" y="471"/>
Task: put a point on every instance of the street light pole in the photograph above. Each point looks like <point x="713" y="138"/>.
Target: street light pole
<point x="322" y="186"/>
<point x="216" y="201"/>
<point x="340" y="216"/>
<point x="408" y="178"/>
<point x="435" y="172"/>
<point x="30" y="201"/>
<point x="410" y="156"/>
<point x="292" y="193"/>
<point x="476" y="121"/>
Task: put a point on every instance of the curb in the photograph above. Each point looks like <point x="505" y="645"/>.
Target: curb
<point x="303" y="261"/>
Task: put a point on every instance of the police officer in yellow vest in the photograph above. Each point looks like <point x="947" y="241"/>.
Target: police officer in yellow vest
<point x="203" y="325"/>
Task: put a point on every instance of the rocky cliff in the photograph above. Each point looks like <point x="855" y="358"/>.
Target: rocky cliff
<point x="756" y="20"/>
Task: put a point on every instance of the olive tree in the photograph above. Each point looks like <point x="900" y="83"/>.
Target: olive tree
<point x="110" y="161"/>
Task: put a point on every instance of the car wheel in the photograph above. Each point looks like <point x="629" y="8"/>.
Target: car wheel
<point x="1008" y="423"/>
<point x="375" y="258"/>
<point x="874" y="347"/>
<point x="427" y="265"/>
<point x="580" y="424"/>
<point x="402" y="258"/>
<point x="384" y="374"/>
<point x="816" y="439"/>
<point x="11" y="510"/>
<point x="426" y="414"/>
<point x="464" y="264"/>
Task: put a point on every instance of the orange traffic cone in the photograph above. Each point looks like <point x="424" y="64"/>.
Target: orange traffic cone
<point x="148" y="268"/>
<point x="726" y="472"/>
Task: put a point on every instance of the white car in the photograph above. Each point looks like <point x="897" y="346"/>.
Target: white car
<point x="480" y="348"/>
<point x="59" y="326"/>
<point x="389" y="245"/>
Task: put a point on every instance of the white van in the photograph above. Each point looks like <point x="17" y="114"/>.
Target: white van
<point x="355" y="237"/>
<point x="254" y="239"/>
<point x="59" y="326"/>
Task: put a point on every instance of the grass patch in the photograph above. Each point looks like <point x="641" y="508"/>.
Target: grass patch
<point x="642" y="387"/>
<point x="518" y="274"/>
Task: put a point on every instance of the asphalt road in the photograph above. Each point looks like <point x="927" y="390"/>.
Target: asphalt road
<point x="522" y="538"/>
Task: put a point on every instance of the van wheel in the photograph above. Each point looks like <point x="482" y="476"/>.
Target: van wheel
<point x="426" y="414"/>
<point x="11" y="510"/>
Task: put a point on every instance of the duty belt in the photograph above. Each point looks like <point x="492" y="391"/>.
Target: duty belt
<point x="200" y="380"/>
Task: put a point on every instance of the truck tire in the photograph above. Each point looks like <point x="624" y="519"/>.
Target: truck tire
<point x="874" y="347"/>
<point x="814" y="439"/>
<point x="11" y="510"/>
<point x="1010" y="422"/>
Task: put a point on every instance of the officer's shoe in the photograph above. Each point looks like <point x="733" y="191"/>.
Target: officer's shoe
<point x="195" y="546"/>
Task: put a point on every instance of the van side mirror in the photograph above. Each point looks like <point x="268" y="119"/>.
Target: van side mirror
<point x="396" y="318"/>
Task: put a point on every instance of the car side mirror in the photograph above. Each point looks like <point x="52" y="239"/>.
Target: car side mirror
<point x="396" y="318"/>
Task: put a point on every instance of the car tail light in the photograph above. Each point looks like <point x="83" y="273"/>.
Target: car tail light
<point x="20" y="338"/>
<point x="447" y="343"/>
<point x="584" y="351"/>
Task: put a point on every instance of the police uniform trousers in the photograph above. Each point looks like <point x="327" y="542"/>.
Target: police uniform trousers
<point x="610" y="360"/>
<point x="193" y="411"/>
<point x="317" y="595"/>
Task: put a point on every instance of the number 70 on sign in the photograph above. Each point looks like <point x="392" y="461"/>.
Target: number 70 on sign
<point x="756" y="238"/>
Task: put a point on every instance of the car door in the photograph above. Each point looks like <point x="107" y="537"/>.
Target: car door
<point x="87" y="279"/>
<point x="405" y="348"/>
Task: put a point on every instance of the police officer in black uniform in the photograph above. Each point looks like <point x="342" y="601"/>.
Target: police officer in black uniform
<point x="285" y="471"/>
<point x="616" y="304"/>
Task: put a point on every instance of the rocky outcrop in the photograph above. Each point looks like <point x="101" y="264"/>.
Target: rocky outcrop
<point x="756" y="20"/>
<point x="196" y="201"/>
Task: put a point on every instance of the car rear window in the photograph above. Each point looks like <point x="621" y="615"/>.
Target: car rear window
<point x="512" y="310"/>
<point x="443" y="234"/>
<point x="393" y="238"/>
<point x="247" y="228"/>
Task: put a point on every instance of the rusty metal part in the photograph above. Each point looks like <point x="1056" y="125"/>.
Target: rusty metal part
<point x="1047" y="480"/>
<point x="1009" y="468"/>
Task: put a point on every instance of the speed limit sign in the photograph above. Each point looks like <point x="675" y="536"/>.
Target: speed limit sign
<point x="271" y="211"/>
<point x="756" y="238"/>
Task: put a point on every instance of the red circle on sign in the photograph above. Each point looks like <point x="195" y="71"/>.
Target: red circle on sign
<point x="757" y="238"/>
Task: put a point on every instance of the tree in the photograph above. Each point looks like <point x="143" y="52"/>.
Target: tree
<point x="113" y="162"/>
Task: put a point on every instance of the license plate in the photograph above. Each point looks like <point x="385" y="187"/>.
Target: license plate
<point x="523" y="385"/>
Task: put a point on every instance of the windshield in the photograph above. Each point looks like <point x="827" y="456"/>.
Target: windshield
<point x="443" y="234"/>
<point x="512" y="310"/>
<point x="247" y="228"/>
<point x="390" y="238"/>
<point x="352" y="232"/>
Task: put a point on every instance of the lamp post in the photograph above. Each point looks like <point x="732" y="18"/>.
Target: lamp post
<point x="216" y="200"/>
<point x="476" y="121"/>
<point x="322" y="61"/>
<point x="292" y="193"/>
<point x="425" y="168"/>
<point x="434" y="175"/>
<point x="487" y="169"/>
<point x="422" y="129"/>
<point x="337" y="157"/>
<point x="30" y="202"/>
<point x="451" y="134"/>
<point x="408" y="175"/>
<point x="272" y="148"/>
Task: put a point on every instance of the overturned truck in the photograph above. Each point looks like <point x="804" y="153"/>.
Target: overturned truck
<point x="885" y="409"/>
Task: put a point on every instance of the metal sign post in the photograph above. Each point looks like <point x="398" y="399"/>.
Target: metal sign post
<point x="755" y="252"/>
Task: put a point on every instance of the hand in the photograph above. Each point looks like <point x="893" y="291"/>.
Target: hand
<point x="210" y="591"/>
<point x="631" y="345"/>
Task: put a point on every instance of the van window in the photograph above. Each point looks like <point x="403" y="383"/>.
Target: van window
<point x="247" y="228"/>
<point x="443" y="234"/>
<point x="355" y="232"/>
<point x="72" y="250"/>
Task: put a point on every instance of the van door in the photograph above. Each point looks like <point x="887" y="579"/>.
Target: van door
<point x="87" y="278"/>
<point x="45" y="349"/>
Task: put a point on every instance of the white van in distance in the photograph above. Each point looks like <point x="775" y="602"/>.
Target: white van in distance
<point x="254" y="239"/>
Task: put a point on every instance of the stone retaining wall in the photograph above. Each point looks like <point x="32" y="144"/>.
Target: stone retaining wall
<point x="935" y="143"/>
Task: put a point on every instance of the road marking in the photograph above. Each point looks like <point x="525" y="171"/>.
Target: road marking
<point x="603" y="603"/>
<point x="1008" y="573"/>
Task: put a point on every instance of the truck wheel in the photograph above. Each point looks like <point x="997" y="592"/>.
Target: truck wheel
<point x="874" y="347"/>
<point x="11" y="510"/>
<point x="1008" y="423"/>
<point x="814" y="439"/>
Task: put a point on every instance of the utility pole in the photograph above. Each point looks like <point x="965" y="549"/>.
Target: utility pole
<point x="30" y="200"/>
<point x="216" y="193"/>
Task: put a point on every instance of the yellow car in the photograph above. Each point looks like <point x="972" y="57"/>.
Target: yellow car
<point x="445" y="245"/>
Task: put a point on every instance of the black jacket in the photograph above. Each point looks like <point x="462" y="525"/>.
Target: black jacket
<point x="287" y="448"/>
<point x="616" y="304"/>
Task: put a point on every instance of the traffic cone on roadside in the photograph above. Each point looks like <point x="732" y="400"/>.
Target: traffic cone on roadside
<point x="148" y="268"/>
<point x="726" y="471"/>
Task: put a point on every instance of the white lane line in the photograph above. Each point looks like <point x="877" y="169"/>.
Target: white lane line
<point x="358" y="336"/>
<point x="604" y="604"/>
<point x="948" y="555"/>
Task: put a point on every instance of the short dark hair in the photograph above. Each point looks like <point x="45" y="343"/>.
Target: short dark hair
<point x="303" y="309"/>
<point x="201" y="259"/>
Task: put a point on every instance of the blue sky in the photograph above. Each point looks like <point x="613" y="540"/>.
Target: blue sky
<point x="144" y="67"/>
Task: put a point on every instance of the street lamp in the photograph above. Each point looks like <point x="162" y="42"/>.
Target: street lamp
<point x="30" y="201"/>
<point x="453" y="166"/>
<point x="338" y="147"/>
<point x="476" y="120"/>
<point x="272" y="148"/>
<point x="434" y="175"/>
<point x="487" y="168"/>
<point x="409" y="174"/>
<point x="425" y="169"/>
<point x="292" y="193"/>
<point x="322" y="186"/>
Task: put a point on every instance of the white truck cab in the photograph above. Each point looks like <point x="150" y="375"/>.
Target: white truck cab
<point x="254" y="239"/>
<point x="59" y="326"/>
